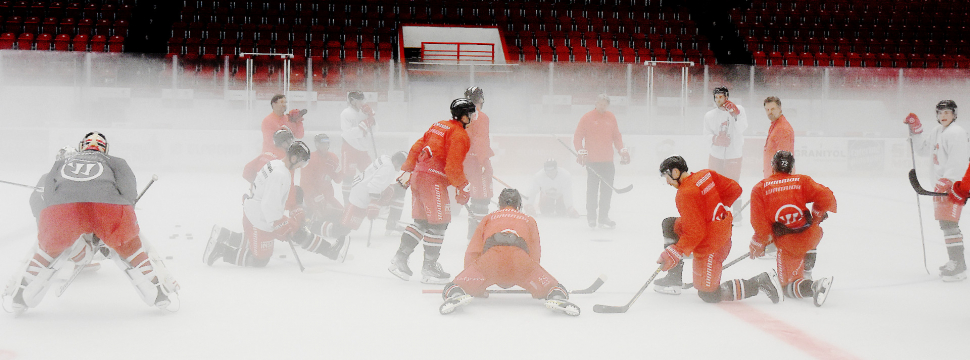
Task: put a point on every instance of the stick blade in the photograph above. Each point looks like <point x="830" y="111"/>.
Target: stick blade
<point x="607" y="309"/>
<point x="914" y="181"/>
<point x="625" y="190"/>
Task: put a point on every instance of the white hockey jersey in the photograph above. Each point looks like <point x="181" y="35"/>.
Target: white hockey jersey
<point x="351" y="133"/>
<point x="950" y="148"/>
<point x="561" y="185"/>
<point x="718" y="120"/>
<point x="268" y="194"/>
<point x="376" y="177"/>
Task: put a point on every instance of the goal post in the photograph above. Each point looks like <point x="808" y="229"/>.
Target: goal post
<point x="251" y="67"/>
<point x="653" y="66"/>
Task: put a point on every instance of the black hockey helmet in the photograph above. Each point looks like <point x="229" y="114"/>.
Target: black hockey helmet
<point x="355" y="95"/>
<point x="510" y="197"/>
<point x="947" y="105"/>
<point x="721" y="90"/>
<point x="550" y="165"/>
<point x="783" y="162"/>
<point x="462" y="107"/>
<point x="281" y="137"/>
<point x="398" y="159"/>
<point x="475" y="94"/>
<point x="300" y="150"/>
<point x="93" y="141"/>
<point x="673" y="162"/>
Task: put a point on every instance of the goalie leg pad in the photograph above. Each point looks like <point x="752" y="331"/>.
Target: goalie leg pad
<point x="154" y="284"/>
<point x="28" y="287"/>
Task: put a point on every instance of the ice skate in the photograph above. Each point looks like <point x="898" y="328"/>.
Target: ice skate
<point x="672" y="283"/>
<point x="557" y="301"/>
<point x="953" y="271"/>
<point x="606" y="223"/>
<point x="432" y="273"/>
<point x="592" y="223"/>
<point x="399" y="267"/>
<point x="768" y="284"/>
<point x="338" y="251"/>
<point x="454" y="297"/>
<point x="820" y="290"/>
<point x="213" y="250"/>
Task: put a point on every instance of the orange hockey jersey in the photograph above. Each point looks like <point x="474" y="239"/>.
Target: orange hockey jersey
<point x="503" y="220"/>
<point x="480" y="141"/>
<point x="780" y="137"/>
<point x="598" y="134"/>
<point x="316" y="178"/>
<point x="272" y="123"/>
<point x="703" y="201"/>
<point x="783" y="198"/>
<point x="441" y="151"/>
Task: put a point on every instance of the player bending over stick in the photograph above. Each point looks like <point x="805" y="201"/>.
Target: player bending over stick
<point x="780" y="214"/>
<point x="704" y="229"/>
<point x="505" y="250"/>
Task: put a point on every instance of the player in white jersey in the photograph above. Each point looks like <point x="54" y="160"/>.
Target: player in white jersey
<point x="949" y="145"/>
<point x="725" y="126"/>
<point x="357" y="125"/>
<point x="551" y="192"/>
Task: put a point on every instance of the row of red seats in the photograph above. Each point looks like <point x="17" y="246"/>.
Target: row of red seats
<point x="852" y="59"/>
<point x="835" y="31"/>
<point x="62" y="42"/>
<point x="91" y="10"/>
<point x="871" y="5"/>
<point x="52" y="25"/>
<point x="280" y="32"/>
<point x="849" y="18"/>
<point x="333" y="50"/>
<point x="859" y="45"/>
<point x="609" y="54"/>
<point x="618" y="40"/>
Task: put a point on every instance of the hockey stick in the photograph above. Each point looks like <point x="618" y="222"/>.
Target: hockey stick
<point x="98" y="245"/>
<point x="370" y="231"/>
<point x="38" y="189"/>
<point x="507" y="186"/>
<point x="912" y="153"/>
<point x="618" y="191"/>
<point x="296" y="256"/>
<point x="735" y="261"/>
<point x="622" y="309"/>
<point x="589" y="290"/>
<point x="913" y="180"/>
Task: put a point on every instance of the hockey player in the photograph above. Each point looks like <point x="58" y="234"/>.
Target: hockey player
<point x="725" y="125"/>
<point x="316" y="179"/>
<point x="780" y="215"/>
<point x="357" y="125"/>
<point x="478" y="165"/>
<point x="949" y="145"/>
<point x="552" y="190"/>
<point x="372" y="190"/>
<point x="704" y="229"/>
<point x="279" y="119"/>
<point x="505" y="251"/>
<point x="595" y="137"/>
<point x="436" y="160"/>
<point x="266" y="216"/>
<point x="90" y="192"/>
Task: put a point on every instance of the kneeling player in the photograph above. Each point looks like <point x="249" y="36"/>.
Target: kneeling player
<point x="704" y="229"/>
<point x="780" y="214"/>
<point x="505" y="250"/>
<point x="90" y="192"/>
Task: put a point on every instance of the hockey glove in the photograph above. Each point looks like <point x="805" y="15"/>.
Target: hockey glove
<point x="958" y="193"/>
<point x="404" y="179"/>
<point x="757" y="249"/>
<point x="819" y="215"/>
<point x="285" y="226"/>
<point x="669" y="258"/>
<point x="915" y="127"/>
<point x="731" y="108"/>
<point x="464" y="194"/>
<point x="296" y="115"/>
<point x="367" y="110"/>
<point x="425" y="154"/>
<point x="722" y="139"/>
<point x="624" y="156"/>
<point x="385" y="197"/>
<point x="298" y="215"/>
<point x="581" y="158"/>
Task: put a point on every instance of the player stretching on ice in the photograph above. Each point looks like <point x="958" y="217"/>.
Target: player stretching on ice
<point x="780" y="215"/>
<point x="505" y="251"/>
<point x="90" y="192"/>
<point x="357" y="125"/>
<point x="949" y="145"/>
<point x="436" y="160"/>
<point x="552" y="189"/>
<point x="704" y="229"/>
<point x="478" y="166"/>
<point x="316" y="179"/>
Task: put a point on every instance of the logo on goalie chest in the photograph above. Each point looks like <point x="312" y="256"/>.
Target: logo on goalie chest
<point x="81" y="170"/>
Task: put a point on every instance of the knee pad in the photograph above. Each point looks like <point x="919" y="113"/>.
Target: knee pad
<point x="670" y="236"/>
<point x="710" y="297"/>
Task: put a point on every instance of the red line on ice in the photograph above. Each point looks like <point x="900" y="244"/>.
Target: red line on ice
<point x="785" y="332"/>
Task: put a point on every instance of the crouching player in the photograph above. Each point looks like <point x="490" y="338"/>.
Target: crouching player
<point x="505" y="250"/>
<point x="704" y="229"/>
<point x="780" y="214"/>
<point x="90" y="192"/>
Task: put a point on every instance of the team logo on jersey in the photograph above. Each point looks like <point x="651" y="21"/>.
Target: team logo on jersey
<point x="720" y="212"/>
<point x="81" y="170"/>
<point x="789" y="214"/>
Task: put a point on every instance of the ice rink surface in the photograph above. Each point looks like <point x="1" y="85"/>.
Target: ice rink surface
<point x="883" y="304"/>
